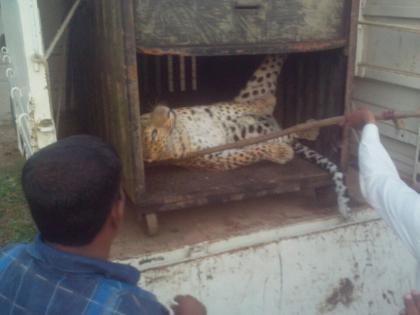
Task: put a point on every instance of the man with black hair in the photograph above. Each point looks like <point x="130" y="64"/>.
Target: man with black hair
<point x="73" y="189"/>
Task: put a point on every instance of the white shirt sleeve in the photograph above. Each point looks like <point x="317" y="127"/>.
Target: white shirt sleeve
<point x="396" y="202"/>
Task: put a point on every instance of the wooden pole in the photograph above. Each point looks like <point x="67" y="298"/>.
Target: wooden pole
<point x="337" y="120"/>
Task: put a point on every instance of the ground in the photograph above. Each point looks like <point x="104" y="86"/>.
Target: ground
<point x="16" y="224"/>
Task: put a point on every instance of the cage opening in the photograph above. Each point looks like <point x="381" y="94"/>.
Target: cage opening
<point x="310" y="86"/>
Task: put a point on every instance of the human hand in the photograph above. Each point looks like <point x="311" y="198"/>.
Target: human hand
<point x="359" y="118"/>
<point x="411" y="304"/>
<point x="188" y="305"/>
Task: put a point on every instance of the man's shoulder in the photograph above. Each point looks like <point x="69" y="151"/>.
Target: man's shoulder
<point x="126" y="289"/>
<point x="11" y="252"/>
<point x="132" y="299"/>
<point x="13" y="248"/>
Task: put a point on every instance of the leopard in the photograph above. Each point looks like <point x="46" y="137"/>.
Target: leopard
<point x="170" y="134"/>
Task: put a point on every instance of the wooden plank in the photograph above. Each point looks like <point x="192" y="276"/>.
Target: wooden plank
<point x="353" y="7"/>
<point x="170" y="188"/>
<point x="107" y="89"/>
<point x="133" y="103"/>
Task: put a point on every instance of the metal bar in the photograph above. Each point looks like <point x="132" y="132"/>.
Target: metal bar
<point x="171" y="74"/>
<point x="158" y="76"/>
<point x="61" y="30"/>
<point x="182" y="82"/>
<point x="145" y="74"/>
<point x="194" y="73"/>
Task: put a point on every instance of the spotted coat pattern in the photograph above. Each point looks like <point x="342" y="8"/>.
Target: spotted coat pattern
<point x="173" y="133"/>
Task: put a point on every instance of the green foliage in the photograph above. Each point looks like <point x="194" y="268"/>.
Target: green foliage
<point x="15" y="221"/>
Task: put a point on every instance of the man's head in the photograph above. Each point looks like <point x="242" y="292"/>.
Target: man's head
<point x="73" y="189"/>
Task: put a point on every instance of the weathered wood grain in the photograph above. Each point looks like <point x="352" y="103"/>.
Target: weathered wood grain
<point x="107" y="85"/>
<point x="171" y="188"/>
<point x="197" y="23"/>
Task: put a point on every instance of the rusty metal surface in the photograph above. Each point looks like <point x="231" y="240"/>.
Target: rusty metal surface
<point x="274" y="48"/>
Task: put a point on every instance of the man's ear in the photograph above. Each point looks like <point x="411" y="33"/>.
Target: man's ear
<point x="117" y="212"/>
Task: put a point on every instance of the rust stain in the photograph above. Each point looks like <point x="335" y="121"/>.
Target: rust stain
<point x="389" y="297"/>
<point x="290" y="47"/>
<point x="314" y="46"/>
<point x="342" y="294"/>
<point x="160" y="51"/>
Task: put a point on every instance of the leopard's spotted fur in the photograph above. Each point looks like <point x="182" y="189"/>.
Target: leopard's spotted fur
<point x="172" y="133"/>
<point x="184" y="130"/>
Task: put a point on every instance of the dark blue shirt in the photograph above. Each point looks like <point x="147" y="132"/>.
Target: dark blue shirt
<point x="38" y="279"/>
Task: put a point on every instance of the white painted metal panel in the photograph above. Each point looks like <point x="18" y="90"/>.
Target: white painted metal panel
<point x="28" y="78"/>
<point x="388" y="71"/>
<point x="322" y="267"/>
<point x="5" y="113"/>
<point x="392" y="8"/>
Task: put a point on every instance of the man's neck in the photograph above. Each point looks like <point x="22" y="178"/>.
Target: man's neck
<point x="96" y="249"/>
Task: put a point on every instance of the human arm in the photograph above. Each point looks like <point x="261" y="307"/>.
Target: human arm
<point x="142" y="302"/>
<point x="395" y="201"/>
<point x="411" y="304"/>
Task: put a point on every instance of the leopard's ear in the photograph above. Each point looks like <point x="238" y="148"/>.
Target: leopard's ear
<point x="145" y="120"/>
<point x="161" y="117"/>
<point x="158" y="102"/>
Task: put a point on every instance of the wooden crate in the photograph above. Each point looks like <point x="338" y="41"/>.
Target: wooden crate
<point x="109" y="38"/>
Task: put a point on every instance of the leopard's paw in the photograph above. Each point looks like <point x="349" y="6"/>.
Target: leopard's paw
<point x="280" y="153"/>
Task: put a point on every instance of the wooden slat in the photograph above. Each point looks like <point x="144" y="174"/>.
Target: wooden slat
<point x="107" y="88"/>
<point x="170" y="188"/>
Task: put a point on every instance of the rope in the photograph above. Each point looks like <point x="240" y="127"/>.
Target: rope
<point x="61" y="30"/>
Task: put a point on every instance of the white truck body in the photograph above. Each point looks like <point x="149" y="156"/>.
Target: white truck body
<point x="316" y="266"/>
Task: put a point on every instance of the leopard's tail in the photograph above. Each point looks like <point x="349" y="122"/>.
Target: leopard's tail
<point x="337" y="176"/>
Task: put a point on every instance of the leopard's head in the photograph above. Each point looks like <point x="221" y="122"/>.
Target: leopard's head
<point x="156" y="130"/>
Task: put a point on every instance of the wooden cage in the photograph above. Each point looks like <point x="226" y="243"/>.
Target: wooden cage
<point x="119" y="52"/>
